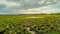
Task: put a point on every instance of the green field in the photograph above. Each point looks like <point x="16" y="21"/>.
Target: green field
<point x="27" y="24"/>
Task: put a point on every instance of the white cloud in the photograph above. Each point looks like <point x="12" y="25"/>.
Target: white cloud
<point x="29" y="6"/>
<point x="9" y="4"/>
<point x="41" y="2"/>
<point x="32" y="11"/>
<point x="5" y="13"/>
<point x="39" y="10"/>
<point x="52" y="11"/>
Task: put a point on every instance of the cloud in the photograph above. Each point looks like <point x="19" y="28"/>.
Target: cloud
<point x="56" y="6"/>
<point x="34" y="3"/>
<point x="2" y="6"/>
<point x="33" y="11"/>
<point x="27" y="6"/>
<point x="47" y="9"/>
<point x="9" y="4"/>
<point x="51" y="11"/>
<point x="8" y="7"/>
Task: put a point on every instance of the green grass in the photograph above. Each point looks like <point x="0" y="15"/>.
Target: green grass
<point x="53" y="33"/>
<point x="38" y="23"/>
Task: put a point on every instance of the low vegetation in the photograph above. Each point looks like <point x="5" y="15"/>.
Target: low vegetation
<point x="39" y="24"/>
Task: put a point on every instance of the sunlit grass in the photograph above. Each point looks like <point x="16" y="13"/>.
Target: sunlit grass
<point x="35" y="17"/>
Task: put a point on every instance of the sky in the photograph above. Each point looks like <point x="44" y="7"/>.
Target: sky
<point x="29" y="6"/>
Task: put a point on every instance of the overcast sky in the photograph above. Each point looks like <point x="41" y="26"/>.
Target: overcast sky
<point x="29" y="6"/>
